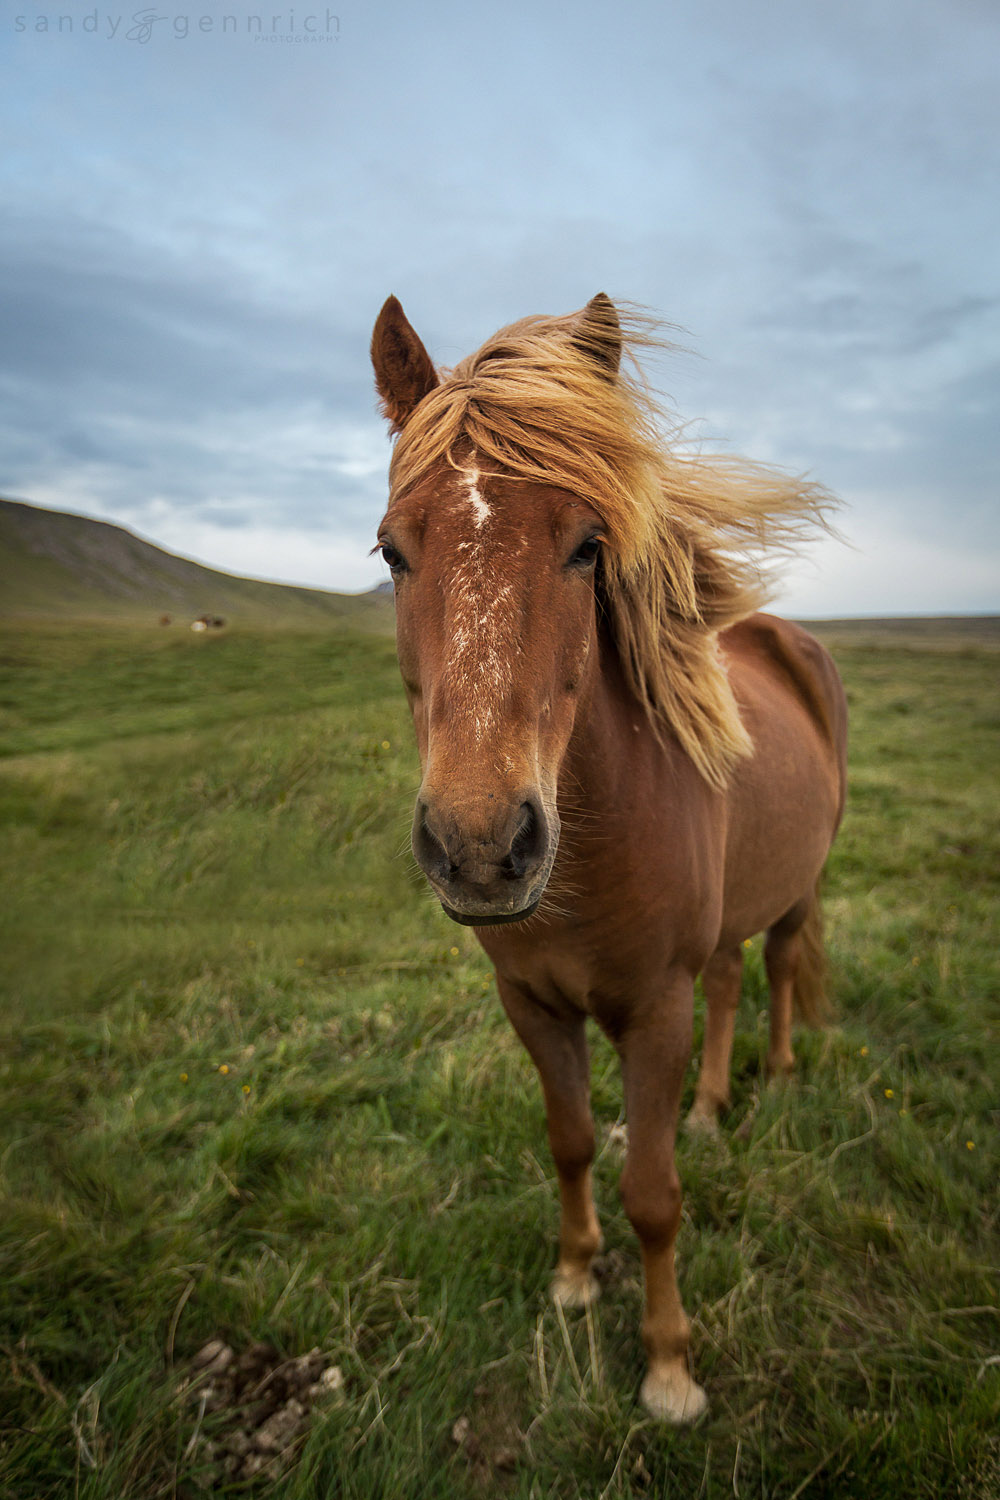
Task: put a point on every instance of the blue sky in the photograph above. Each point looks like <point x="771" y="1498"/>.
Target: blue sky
<point x="199" y="228"/>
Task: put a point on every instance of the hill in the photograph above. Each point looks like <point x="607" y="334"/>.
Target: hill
<point x="910" y="633"/>
<point x="53" y="564"/>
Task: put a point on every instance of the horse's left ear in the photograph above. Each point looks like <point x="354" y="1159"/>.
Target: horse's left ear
<point x="598" y="333"/>
<point x="404" y="373"/>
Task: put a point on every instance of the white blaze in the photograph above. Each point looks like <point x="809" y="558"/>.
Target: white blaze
<point x="483" y="635"/>
<point x="480" y="509"/>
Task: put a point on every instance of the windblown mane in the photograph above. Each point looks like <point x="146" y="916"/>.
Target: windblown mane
<point x="689" y="536"/>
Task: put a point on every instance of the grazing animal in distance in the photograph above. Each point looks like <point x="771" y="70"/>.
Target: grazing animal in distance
<point x="627" y="771"/>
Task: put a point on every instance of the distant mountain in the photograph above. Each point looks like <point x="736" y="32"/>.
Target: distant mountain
<point x="56" y="564"/>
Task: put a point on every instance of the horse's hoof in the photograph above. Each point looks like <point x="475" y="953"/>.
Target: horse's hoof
<point x="701" y="1120"/>
<point x="574" y="1288"/>
<point x="670" y="1395"/>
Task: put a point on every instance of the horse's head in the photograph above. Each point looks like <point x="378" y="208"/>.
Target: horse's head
<point x="496" y="629"/>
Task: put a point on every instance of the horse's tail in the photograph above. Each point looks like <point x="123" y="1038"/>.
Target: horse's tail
<point x="810" y="986"/>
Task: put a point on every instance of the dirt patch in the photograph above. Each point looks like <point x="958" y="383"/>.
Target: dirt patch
<point x="490" y="1441"/>
<point x="259" y="1407"/>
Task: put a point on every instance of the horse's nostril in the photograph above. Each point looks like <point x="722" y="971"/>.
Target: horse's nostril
<point x="430" y="852"/>
<point x="528" y="843"/>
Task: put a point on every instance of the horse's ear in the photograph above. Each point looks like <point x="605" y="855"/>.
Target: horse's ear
<point x="404" y="374"/>
<point x="598" y="333"/>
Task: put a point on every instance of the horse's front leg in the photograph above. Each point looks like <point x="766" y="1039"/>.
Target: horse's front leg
<point x="655" y="1050"/>
<point x="558" y="1047"/>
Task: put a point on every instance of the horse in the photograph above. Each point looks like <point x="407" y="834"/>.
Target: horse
<point x="627" y="769"/>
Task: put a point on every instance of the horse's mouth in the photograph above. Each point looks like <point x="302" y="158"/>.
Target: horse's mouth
<point x="497" y="921"/>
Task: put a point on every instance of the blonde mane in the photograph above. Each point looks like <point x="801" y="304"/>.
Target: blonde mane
<point x="689" y="536"/>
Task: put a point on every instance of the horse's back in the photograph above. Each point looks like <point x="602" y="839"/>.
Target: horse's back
<point x="797" y="664"/>
<point x="786" y="800"/>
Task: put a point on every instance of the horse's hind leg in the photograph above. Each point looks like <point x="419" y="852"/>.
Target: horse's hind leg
<point x="782" y="953"/>
<point x="721" y="982"/>
<point x="558" y="1048"/>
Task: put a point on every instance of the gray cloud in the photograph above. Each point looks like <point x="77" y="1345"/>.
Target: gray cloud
<point x="201" y="233"/>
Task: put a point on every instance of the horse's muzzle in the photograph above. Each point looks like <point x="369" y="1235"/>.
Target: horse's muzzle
<point x="517" y="916"/>
<point x="486" y="864"/>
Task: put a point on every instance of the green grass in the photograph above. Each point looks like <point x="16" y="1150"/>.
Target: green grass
<point x="254" y="1085"/>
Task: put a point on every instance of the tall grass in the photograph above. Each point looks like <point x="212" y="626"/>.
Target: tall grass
<point x="254" y="1085"/>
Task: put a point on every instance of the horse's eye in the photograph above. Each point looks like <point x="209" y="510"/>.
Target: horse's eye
<point x="587" y="553"/>
<point x="394" y="561"/>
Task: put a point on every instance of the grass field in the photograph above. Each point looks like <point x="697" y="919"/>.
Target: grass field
<point x="254" y="1086"/>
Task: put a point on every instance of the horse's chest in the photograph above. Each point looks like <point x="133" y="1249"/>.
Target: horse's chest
<point x="592" y="967"/>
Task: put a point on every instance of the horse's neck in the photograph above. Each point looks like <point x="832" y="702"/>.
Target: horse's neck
<point x="614" y="746"/>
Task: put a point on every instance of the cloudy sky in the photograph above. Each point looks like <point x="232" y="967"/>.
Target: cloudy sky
<point x="204" y="206"/>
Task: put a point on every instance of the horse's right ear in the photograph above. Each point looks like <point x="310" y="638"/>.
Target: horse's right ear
<point x="404" y="374"/>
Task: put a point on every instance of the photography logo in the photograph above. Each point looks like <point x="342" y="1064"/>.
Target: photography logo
<point x="153" y="24"/>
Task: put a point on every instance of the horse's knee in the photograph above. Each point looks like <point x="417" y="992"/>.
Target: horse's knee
<point x="572" y="1146"/>
<point x="652" y="1203"/>
<point x="723" y="974"/>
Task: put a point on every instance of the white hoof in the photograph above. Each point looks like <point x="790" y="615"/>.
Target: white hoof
<point x="702" y="1120"/>
<point x="574" y="1288"/>
<point x="672" y="1396"/>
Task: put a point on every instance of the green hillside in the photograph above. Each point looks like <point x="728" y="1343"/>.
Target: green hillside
<point x="55" y="565"/>
<point x="910" y="633"/>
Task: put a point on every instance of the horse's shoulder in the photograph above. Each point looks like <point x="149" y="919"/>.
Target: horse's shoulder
<point x="790" y="655"/>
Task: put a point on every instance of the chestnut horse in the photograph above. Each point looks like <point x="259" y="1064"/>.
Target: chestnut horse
<point x="627" y="772"/>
